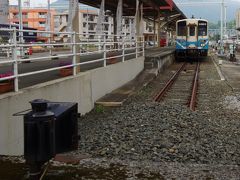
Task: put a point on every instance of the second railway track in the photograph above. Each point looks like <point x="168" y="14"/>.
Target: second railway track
<point x="182" y="87"/>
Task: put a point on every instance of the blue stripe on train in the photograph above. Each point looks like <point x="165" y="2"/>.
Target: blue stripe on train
<point x="182" y="44"/>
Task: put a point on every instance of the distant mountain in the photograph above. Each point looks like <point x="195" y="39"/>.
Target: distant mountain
<point x="211" y="12"/>
<point x="60" y="2"/>
<point x="60" y="5"/>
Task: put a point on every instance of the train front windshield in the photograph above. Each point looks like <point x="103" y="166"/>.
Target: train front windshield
<point x="181" y="26"/>
<point x="202" y="28"/>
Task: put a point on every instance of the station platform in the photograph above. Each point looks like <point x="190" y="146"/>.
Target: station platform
<point x="230" y="71"/>
<point x="162" y="51"/>
<point x="155" y="60"/>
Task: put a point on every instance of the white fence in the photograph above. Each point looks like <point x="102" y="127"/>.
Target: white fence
<point x="110" y="46"/>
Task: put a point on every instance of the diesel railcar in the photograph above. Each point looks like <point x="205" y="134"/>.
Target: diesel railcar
<point x="191" y="38"/>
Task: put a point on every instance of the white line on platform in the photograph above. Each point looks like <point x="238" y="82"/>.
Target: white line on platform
<point x="218" y="70"/>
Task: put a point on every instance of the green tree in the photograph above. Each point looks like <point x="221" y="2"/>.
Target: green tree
<point x="231" y="24"/>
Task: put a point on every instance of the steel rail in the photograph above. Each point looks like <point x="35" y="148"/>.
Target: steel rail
<point x="193" y="100"/>
<point x="170" y="82"/>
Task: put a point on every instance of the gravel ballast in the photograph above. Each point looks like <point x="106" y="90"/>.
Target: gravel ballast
<point x="145" y="131"/>
<point x="148" y="140"/>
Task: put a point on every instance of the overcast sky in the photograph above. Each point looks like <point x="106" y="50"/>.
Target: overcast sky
<point x="32" y="2"/>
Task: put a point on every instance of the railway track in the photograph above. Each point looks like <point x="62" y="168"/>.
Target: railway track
<point x="182" y="87"/>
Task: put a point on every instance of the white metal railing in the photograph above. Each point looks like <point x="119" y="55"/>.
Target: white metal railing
<point x="108" y="46"/>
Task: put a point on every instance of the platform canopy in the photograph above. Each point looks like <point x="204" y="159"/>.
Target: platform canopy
<point x="151" y="8"/>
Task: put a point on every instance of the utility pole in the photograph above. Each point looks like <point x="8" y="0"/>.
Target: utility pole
<point x="225" y="21"/>
<point x="221" y="41"/>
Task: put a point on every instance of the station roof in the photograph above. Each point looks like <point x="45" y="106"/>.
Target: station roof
<point x="151" y="8"/>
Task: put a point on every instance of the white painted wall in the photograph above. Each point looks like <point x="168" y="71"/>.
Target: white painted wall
<point x="84" y="88"/>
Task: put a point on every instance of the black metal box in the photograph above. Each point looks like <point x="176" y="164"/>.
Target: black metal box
<point x="50" y="128"/>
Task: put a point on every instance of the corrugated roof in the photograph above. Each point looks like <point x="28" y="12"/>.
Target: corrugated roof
<point x="151" y="8"/>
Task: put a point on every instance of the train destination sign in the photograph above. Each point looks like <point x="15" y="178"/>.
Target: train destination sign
<point x="202" y="24"/>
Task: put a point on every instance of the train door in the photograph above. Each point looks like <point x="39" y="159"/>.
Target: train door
<point x="192" y="36"/>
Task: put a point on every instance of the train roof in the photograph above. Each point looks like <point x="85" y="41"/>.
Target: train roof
<point x="192" y="19"/>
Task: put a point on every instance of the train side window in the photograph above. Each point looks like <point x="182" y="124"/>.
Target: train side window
<point x="192" y="31"/>
<point x="181" y="26"/>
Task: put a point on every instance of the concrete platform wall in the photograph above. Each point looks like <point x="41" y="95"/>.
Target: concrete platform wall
<point x="160" y="61"/>
<point x="165" y="62"/>
<point x="84" y="89"/>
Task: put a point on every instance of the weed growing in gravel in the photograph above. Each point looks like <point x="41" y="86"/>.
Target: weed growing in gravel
<point x="100" y="108"/>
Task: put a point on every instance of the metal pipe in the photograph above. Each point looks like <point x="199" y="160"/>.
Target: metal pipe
<point x="38" y="31"/>
<point x="20" y="24"/>
<point x="47" y="57"/>
<point x="55" y="44"/>
<point x="49" y="26"/>
<point x="136" y="45"/>
<point x="123" y="49"/>
<point x="143" y="46"/>
<point x="15" y="65"/>
<point x="104" y="52"/>
<point x="74" y="50"/>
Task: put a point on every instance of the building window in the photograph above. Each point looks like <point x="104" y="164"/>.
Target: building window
<point x="25" y="24"/>
<point x="91" y="27"/>
<point x="106" y="19"/>
<point x="25" y="15"/>
<point x="91" y="37"/>
<point x="106" y="27"/>
<point x="42" y="24"/>
<point x="42" y="15"/>
<point x="91" y="18"/>
<point x="15" y="15"/>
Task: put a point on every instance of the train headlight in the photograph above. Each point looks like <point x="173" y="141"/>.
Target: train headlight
<point x="202" y="43"/>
